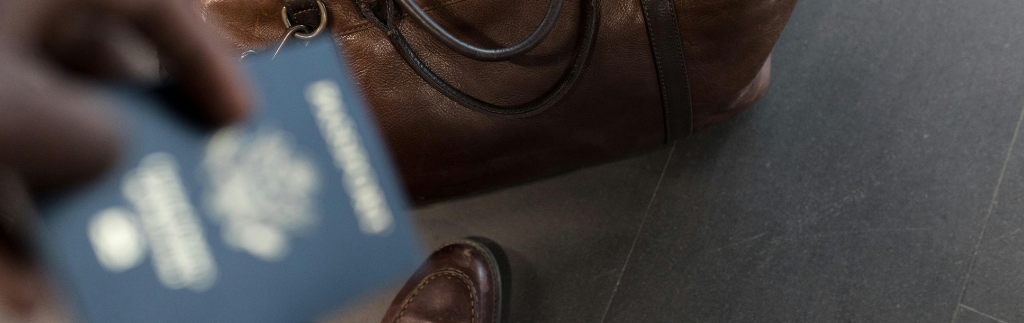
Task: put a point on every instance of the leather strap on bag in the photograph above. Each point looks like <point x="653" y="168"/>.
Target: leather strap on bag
<point x="662" y="30"/>
<point x="483" y="54"/>
<point x="667" y="47"/>
<point x="303" y="12"/>
<point x="381" y="14"/>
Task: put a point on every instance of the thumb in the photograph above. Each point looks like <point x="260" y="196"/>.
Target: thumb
<point x="17" y="217"/>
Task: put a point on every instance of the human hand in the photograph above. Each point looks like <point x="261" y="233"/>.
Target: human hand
<point x="56" y="129"/>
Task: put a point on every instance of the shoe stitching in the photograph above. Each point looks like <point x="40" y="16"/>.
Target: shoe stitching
<point x="447" y="273"/>
<point x="490" y="266"/>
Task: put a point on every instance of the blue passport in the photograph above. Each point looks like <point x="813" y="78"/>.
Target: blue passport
<point x="280" y="218"/>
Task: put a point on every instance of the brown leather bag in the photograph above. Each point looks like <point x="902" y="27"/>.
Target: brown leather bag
<point x="598" y="79"/>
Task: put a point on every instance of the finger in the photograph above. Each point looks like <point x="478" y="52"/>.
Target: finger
<point x="27" y="295"/>
<point x="101" y="46"/>
<point x="53" y="132"/>
<point x="19" y="294"/>
<point x="196" y="57"/>
<point x="16" y="217"/>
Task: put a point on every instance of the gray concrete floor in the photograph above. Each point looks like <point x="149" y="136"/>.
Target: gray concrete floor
<point x="880" y="180"/>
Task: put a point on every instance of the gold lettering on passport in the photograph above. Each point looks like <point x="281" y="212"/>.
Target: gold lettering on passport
<point x="117" y="240"/>
<point x="163" y="223"/>
<point x="181" y="255"/>
<point x="359" y="178"/>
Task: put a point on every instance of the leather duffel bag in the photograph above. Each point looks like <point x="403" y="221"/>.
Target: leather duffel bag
<point x="584" y="82"/>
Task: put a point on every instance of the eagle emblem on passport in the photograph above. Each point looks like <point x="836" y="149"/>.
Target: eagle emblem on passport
<point x="261" y="190"/>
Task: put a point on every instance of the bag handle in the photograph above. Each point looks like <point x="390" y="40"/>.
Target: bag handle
<point x="591" y="10"/>
<point x="482" y="54"/>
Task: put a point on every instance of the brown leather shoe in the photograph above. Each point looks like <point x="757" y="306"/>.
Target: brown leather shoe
<point x="462" y="282"/>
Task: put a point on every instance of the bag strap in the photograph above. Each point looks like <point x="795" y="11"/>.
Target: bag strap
<point x="309" y="13"/>
<point x="667" y="49"/>
<point x="482" y="54"/>
<point x="381" y="14"/>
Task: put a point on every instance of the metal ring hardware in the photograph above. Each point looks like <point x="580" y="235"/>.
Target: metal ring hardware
<point x="307" y="35"/>
<point x="292" y="31"/>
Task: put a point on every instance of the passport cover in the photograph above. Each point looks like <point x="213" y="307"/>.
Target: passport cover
<point x="278" y="219"/>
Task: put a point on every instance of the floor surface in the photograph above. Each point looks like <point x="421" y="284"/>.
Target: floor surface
<point x="880" y="180"/>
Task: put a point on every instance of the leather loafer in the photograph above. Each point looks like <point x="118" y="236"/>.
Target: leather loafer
<point x="461" y="282"/>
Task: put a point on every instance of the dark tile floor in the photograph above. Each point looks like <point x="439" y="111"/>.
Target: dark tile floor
<point x="880" y="180"/>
